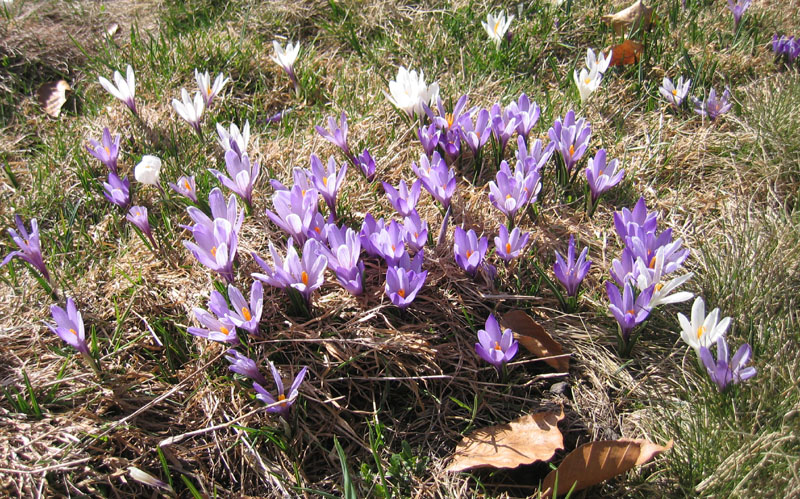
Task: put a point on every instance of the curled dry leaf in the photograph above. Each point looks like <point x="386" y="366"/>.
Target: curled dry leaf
<point x="597" y="462"/>
<point x="531" y="438"/>
<point x="52" y="96"/>
<point x="624" y="19"/>
<point x="627" y="52"/>
<point x="533" y="337"/>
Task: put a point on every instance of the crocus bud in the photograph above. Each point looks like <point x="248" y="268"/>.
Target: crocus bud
<point x="148" y="170"/>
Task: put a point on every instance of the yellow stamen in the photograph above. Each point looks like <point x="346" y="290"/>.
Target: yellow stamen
<point x="108" y="151"/>
<point x="652" y="263"/>
<point x="224" y="330"/>
<point x="449" y="117"/>
<point x="304" y="277"/>
<point x="675" y="91"/>
<point x="508" y="196"/>
<point x="701" y="331"/>
<point x="571" y="150"/>
<point x="508" y="247"/>
<point x="73" y="332"/>
<point x="138" y="213"/>
<point x="496" y="27"/>
<point x="659" y="286"/>
<point x="208" y="90"/>
<point x="599" y="173"/>
<point x="246" y="314"/>
<point x="393" y="248"/>
<point x="325" y="181"/>
<point x="497" y="345"/>
<point x="416" y="235"/>
<point x="587" y="81"/>
<point x="187" y="185"/>
<point x="401" y="292"/>
<point x="469" y="254"/>
<point x="214" y="251"/>
<point x="303" y="192"/>
<point x="281" y="398"/>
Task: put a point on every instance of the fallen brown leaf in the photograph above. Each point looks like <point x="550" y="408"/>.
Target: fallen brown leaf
<point x="627" y="17"/>
<point x="597" y="462"/>
<point x="627" y="52"/>
<point x="52" y="96"/>
<point x="533" y="337"/>
<point x="531" y="438"/>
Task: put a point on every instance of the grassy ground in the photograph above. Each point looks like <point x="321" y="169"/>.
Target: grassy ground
<point x="396" y="390"/>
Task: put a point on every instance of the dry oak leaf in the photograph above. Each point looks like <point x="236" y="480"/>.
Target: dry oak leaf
<point x="627" y="17"/>
<point x="531" y="438"/>
<point x="52" y="96"/>
<point x="627" y="52"/>
<point x="533" y="337"/>
<point x="597" y="462"/>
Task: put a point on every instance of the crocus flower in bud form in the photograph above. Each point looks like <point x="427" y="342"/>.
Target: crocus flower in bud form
<point x="30" y="248"/>
<point x="469" y="251"/>
<point x="437" y="179"/>
<point x="402" y="285"/>
<point x="408" y="92"/>
<point x="416" y="231"/>
<point x="337" y="133"/>
<point x="215" y="328"/>
<point x="207" y="90"/>
<point x="429" y="138"/>
<point x="137" y="215"/>
<point x="571" y="272"/>
<point x="496" y="346"/>
<point x="534" y="160"/>
<point x="675" y="94"/>
<point x="403" y="199"/>
<point x="107" y="150"/>
<point x="148" y="170"/>
<point x="117" y="190"/>
<point x="737" y="8"/>
<point x="190" y="110"/>
<point x="627" y="221"/>
<point x="587" y="82"/>
<point x="703" y="330"/>
<point x="286" y="59"/>
<point x="215" y="247"/>
<point x="69" y="326"/>
<point x="246" y="315"/>
<point x="368" y="228"/>
<point x="328" y="180"/>
<point x="510" y="245"/>
<point x="280" y="404"/>
<point x="597" y="63"/>
<point x="244" y="365"/>
<point x="185" y="186"/>
<point x="477" y="135"/>
<point x="367" y="165"/>
<point x="602" y="176"/>
<point x="242" y="175"/>
<point x="343" y="257"/>
<point x="527" y="114"/>
<point x="721" y="372"/>
<point x="125" y="89"/>
<point x="662" y="289"/>
<point x="301" y="177"/>
<point x="390" y="242"/>
<point x="571" y="138"/>
<point x="713" y="106"/>
<point x="628" y="311"/>
<point x="496" y="27"/>
<point x="234" y="139"/>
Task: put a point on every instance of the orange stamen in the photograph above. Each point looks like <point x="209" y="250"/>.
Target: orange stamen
<point x="508" y="247"/>
<point x="73" y="332"/>
<point x="700" y="331"/>
<point x="401" y="292"/>
<point x="246" y="314"/>
<point x="497" y="345"/>
<point x="304" y="277"/>
<point x="214" y="251"/>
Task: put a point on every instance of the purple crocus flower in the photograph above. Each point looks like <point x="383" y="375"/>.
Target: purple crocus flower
<point x="721" y="372"/>
<point x="469" y="250"/>
<point x="244" y="365"/>
<point x="337" y="134"/>
<point x="602" y="176"/>
<point x="415" y="231"/>
<point x="429" y="138"/>
<point x="301" y="177"/>
<point x="675" y="94"/>
<point x="788" y="46"/>
<point x="571" y="138"/>
<point x="219" y="209"/>
<point x="713" y="106"/>
<point x="242" y="175"/>
<point x="496" y="346"/>
<point x="215" y="246"/>
<point x="327" y="180"/>
<point x="107" y="151"/>
<point x="280" y="404"/>
<point x="644" y="246"/>
<point x="295" y="211"/>
<point x="137" y="215"/>
<point x="368" y="228"/>
<point x="503" y="123"/>
<point x="512" y="191"/>
<point x="30" y="248"/>
<point x="304" y="274"/>
<point x="476" y="136"/>
<point x="628" y="312"/>
<point x="390" y="242"/>
<point x="403" y="199"/>
<point x="343" y="257"/>
<point x="246" y="315"/>
<point x="402" y="285"/>
<point x="534" y="160"/>
<point x="185" y="186"/>
<point x="446" y="121"/>
<point x="450" y="141"/>
<point x="216" y="326"/>
<point x="367" y="165"/>
<point x="510" y="245"/>
<point x="117" y="190"/>
<point x="234" y="139"/>
<point x="737" y="9"/>
<point x="69" y="326"/>
<point x="527" y="114"/>
<point x="624" y="268"/>
<point x="626" y="221"/>
<point x="436" y="177"/>
<point x="572" y="272"/>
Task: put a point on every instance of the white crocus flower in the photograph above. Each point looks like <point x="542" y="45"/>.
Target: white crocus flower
<point x="675" y="94"/>
<point x="703" y="330"/>
<point x="191" y="111"/>
<point x="409" y="92"/>
<point x="587" y="82"/>
<point x="148" y="170"/>
<point x="234" y="139"/>
<point x="496" y="27"/>
<point x="208" y="90"/>
<point x="661" y="289"/>
<point x="286" y="59"/>
<point x="597" y="62"/>
<point x="125" y="90"/>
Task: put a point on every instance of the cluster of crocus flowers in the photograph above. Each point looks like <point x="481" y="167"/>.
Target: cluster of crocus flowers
<point x="675" y="94"/>
<point x="571" y="139"/>
<point x="737" y="8"/>
<point x="496" y="26"/>
<point x="589" y="78"/>
<point x="30" y="248"/>
<point x="495" y="345"/>
<point x="216" y="240"/>
<point x="408" y="92"/>
<point x="220" y="321"/>
<point x="125" y="88"/>
<point x="714" y="106"/>
<point x="305" y="273"/>
<point x="787" y="47"/>
<point x="283" y="400"/>
<point x="336" y="134"/>
<point x="285" y="58"/>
